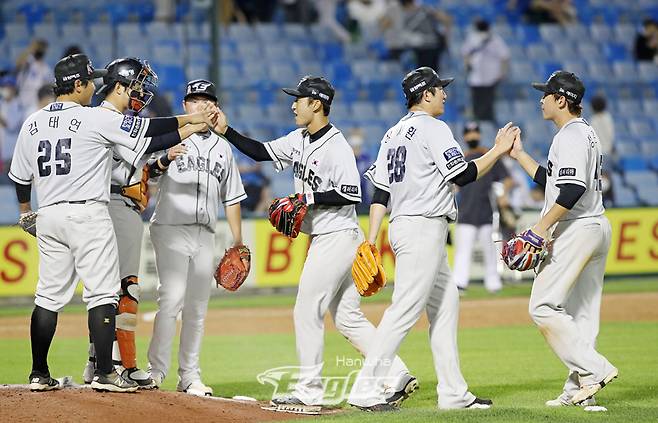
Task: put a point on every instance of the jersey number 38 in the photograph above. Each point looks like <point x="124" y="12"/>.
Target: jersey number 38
<point x="396" y="158"/>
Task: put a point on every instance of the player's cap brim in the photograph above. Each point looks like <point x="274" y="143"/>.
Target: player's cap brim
<point x="98" y="73"/>
<point x="293" y="92"/>
<point x="206" y="95"/>
<point x="540" y="86"/>
<point x="445" y="82"/>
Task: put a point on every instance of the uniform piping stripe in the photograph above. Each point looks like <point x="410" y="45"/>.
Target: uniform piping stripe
<point x="19" y="180"/>
<point x="274" y="157"/>
<point x="235" y="199"/>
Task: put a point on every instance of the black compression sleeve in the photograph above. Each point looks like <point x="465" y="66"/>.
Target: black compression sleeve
<point x="252" y="148"/>
<point x="540" y="176"/>
<point x="24" y="193"/>
<point x="569" y="195"/>
<point x="467" y="176"/>
<point x="164" y="141"/>
<point x="160" y="126"/>
<point x="380" y="197"/>
<point x="331" y="198"/>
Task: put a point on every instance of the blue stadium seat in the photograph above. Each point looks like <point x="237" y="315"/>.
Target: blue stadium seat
<point x="242" y="33"/>
<point x="551" y="32"/>
<point x="197" y="71"/>
<point x="641" y="177"/>
<point x="601" y="32"/>
<point x="276" y="52"/>
<point x="364" y="110"/>
<point x="250" y="51"/>
<point x="641" y="128"/>
<point x="627" y="147"/>
<point x="624" y="197"/>
<point x="268" y="32"/>
<point x="8" y="209"/>
<point x="171" y="77"/>
<point x="633" y="163"/>
<point x="199" y="52"/>
<point x="296" y="32"/>
<point x="16" y="31"/>
<point x="164" y="31"/>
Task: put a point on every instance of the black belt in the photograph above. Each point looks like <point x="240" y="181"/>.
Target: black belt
<point x="73" y="202"/>
<point x="116" y="189"/>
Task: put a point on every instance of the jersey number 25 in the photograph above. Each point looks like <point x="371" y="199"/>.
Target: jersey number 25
<point x="62" y="157"/>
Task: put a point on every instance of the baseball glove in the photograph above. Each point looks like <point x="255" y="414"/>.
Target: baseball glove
<point x="367" y="270"/>
<point x="524" y="251"/>
<point x="287" y="214"/>
<point x="28" y="221"/>
<point x="233" y="268"/>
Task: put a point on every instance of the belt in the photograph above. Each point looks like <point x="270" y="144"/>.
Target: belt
<point x="72" y="202"/>
<point x="116" y="189"/>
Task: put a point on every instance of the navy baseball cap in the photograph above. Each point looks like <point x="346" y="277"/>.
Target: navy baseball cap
<point x="421" y="79"/>
<point x="201" y="87"/>
<point x="563" y="83"/>
<point x="315" y="87"/>
<point x="471" y="126"/>
<point x="76" y="66"/>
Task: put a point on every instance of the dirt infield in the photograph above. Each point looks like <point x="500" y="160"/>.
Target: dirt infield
<point x="477" y="313"/>
<point x="85" y="405"/>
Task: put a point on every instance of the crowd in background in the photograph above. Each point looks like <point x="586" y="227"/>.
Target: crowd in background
<point x="409" y="30"/>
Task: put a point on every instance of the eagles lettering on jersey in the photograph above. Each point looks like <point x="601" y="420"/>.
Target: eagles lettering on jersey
<point x="306" y="175"/>
<point x="190" y="163"/>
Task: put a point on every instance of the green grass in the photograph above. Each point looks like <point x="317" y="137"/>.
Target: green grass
<point x="511" y="365"/>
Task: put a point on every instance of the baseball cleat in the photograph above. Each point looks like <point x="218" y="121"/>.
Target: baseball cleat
<point x="40" y="382"/>
<point x="88" y="372"/>
<point x="565" y="401"/>
<point x="196" y="388"/>
<point x="409" y="386"/>
<point x="378" y="408"/>
<point x="588" y="391"/>
<point x="480" y="404"/>
<point x="112" y="382"/>
<point x="292" y="404"/>
<point x="140" y="377"/>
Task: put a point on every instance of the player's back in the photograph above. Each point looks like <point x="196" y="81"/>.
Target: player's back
<point x="417" y="184"/>
<point x="61" y="150"/>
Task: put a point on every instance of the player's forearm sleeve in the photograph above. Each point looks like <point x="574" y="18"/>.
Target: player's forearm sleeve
<point x="469" y="175"/>
<point x="380" y="197"/>
<point x="161" y="126"/>
<point x="331" y="198"/>
<point x="164" y="141"/>
<point x="540" y="176"/>
<point x="158" y="167"/>
<point x="24" y="193"/>
<point x="569" y="195"/>
<point x="252" y="148"/>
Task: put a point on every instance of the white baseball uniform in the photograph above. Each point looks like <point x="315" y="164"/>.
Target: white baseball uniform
<point x="417" y="158"/>
<point x="566" y="295"/>
<point x="65" y="150"/>
<point x="182" y="232"/>
<point x="322" y="165"/>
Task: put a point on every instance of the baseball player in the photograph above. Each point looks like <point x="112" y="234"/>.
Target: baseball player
<point x="324" y="171"/>
<point x="417" y="161"/>
<point x="65" y="150"/>
<point x="566" y="295"/>
<point x="126" y="88"/>
<point x="186" y="211"/>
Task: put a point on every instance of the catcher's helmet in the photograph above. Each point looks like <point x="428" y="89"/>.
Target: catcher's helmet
<point x="134" y="74"/>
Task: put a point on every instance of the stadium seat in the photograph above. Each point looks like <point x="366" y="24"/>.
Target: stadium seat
<point x="633" y="163"/>
<point x="624" y="197"/>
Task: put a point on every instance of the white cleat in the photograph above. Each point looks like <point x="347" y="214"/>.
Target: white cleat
<point x="588" y="391"/>
<point x="196" y="388"/>
<point x="564" y="401"/>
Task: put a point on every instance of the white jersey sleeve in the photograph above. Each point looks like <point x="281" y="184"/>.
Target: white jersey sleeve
<point x="378" y="173"/>
<point x="281" y="149"/>
<point x="445" y="151"/>
<point x="345" y="178"/>
<point x="232" y="190"/>
<point x="573" y="160"/>
<point x="21" y="169"/>
<point x="124" y="131"/>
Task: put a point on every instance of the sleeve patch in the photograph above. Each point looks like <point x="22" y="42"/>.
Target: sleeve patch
<point x="349" y="189"/>
<point x="452" y="153"/>
<point x="454" y="162"/>
<point x="567" y="171"/>
<point x="127" y="123"/>
<point x="136" y="127"/>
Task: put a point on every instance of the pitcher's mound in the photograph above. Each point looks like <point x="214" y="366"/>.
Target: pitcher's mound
<point x="85" y="405"/>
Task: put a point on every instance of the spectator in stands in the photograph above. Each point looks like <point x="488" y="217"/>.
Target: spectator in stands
<point x="12" y="115"/>
<point x="45" y="95"/>
<point x="356" y="139"/>
<point x="298" y="11"/>
<point x="536" y="199"/>
<point x="367" y="14"/>
<point x="327" y="18"/>
<point x="256" y="185"/>
<point x="646" y="41"/>
<point x="476" y="204"/>
<point x="409" y="26"/>
<point x="165" y="10"/>
<point x="603" y="125"/>
<point x="256" y="10"/>
<point x="486" y="57"/>
<point x="561" y="12"/>
<point x="32" y="73"/>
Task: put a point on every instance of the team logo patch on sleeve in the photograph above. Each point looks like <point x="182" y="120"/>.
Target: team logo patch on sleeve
<point x="349" y="189"/>
<point x="56" y="106"/>
<point x="567" y="171"/>
<point x="127" y="123"/>
<point x="452" y="153"/>
<point x="136" y="127"/>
